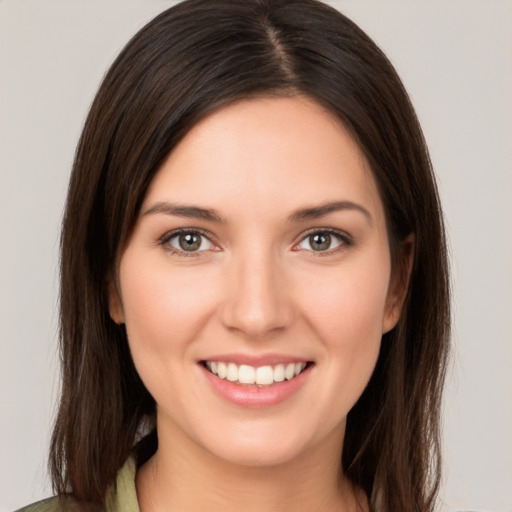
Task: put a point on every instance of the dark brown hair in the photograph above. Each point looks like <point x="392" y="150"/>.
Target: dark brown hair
<point x="190" y="60"/>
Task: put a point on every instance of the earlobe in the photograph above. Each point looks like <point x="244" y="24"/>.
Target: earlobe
<point x="115" y="305"/>
<point x="399" y="284"/>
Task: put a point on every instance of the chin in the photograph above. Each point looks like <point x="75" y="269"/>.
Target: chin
<point x="265" y="454"/>
<point x="266" y="444"/>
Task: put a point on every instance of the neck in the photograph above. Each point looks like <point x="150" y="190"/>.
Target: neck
<point x="182" y="476"/>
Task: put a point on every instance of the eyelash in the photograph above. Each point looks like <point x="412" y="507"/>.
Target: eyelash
<point x="345" y="241"/>
<point x="164" y="241"/>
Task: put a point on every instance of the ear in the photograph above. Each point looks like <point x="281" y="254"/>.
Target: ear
<point x="399" y="284"/>
<point x="115" y="304"/>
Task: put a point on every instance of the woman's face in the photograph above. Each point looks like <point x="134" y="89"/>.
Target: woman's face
<point x="260" y="252"/>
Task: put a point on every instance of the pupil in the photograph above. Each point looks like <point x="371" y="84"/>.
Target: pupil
<point x="190" y="242"/>
<point x="320" y="242"/>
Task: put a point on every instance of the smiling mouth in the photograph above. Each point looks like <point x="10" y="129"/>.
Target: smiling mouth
<point x="261" y="376"/>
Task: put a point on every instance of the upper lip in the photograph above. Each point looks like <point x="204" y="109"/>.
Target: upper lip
<point x="256" y="360"/>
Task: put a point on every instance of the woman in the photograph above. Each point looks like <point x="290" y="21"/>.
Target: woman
<point x="254" y="299"/>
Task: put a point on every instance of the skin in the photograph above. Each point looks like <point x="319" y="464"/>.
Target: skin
<point x="256" y="286"/>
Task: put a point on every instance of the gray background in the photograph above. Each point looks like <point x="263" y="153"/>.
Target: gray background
<point x="455" y="57"/>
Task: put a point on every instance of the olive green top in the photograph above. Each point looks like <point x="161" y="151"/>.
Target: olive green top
<point x="121" y="496"/>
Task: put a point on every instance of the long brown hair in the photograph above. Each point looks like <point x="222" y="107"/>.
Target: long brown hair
<point x="190" y="60"/>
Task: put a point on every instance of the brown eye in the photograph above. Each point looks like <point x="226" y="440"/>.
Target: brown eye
<point x="322" y="241"/>
<point x="189" y="241"/>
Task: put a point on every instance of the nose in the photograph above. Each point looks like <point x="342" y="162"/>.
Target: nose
<point x="257" y="302"/>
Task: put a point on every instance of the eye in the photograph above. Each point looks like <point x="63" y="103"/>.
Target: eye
<point x="187" y="242"/>
<point x="323" y="241"/>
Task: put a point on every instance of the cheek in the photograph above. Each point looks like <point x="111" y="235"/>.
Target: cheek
<point x="161" y="305"/>
<point x="350" y="302"/>
<point x="165" y="310"/>
<point x="347" y="312"/>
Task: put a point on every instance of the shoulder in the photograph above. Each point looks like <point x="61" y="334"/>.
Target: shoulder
<point x="121" y="496"/>
<point x="56" y="504"/>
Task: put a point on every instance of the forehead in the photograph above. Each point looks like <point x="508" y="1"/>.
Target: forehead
<point x="266" y="154"/>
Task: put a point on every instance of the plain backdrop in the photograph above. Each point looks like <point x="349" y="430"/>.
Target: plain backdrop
<point x="455" y="57"/>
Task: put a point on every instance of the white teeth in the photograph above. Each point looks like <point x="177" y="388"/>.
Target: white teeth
<point x="262" y="376"/>
<point x="222" y="370"/>
<point x="246" y="374"/>
<point x="279" y="373"/>
<point x="232" y="372"/>
<point x="299" y="367"/>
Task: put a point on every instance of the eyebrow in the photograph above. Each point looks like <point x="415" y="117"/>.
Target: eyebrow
<point x="197" y="212"/>
<point x="188" y="211"/>
<point x="319" y="211"/>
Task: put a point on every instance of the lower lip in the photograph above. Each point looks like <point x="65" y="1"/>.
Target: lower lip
<point x="254" y="396"/>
